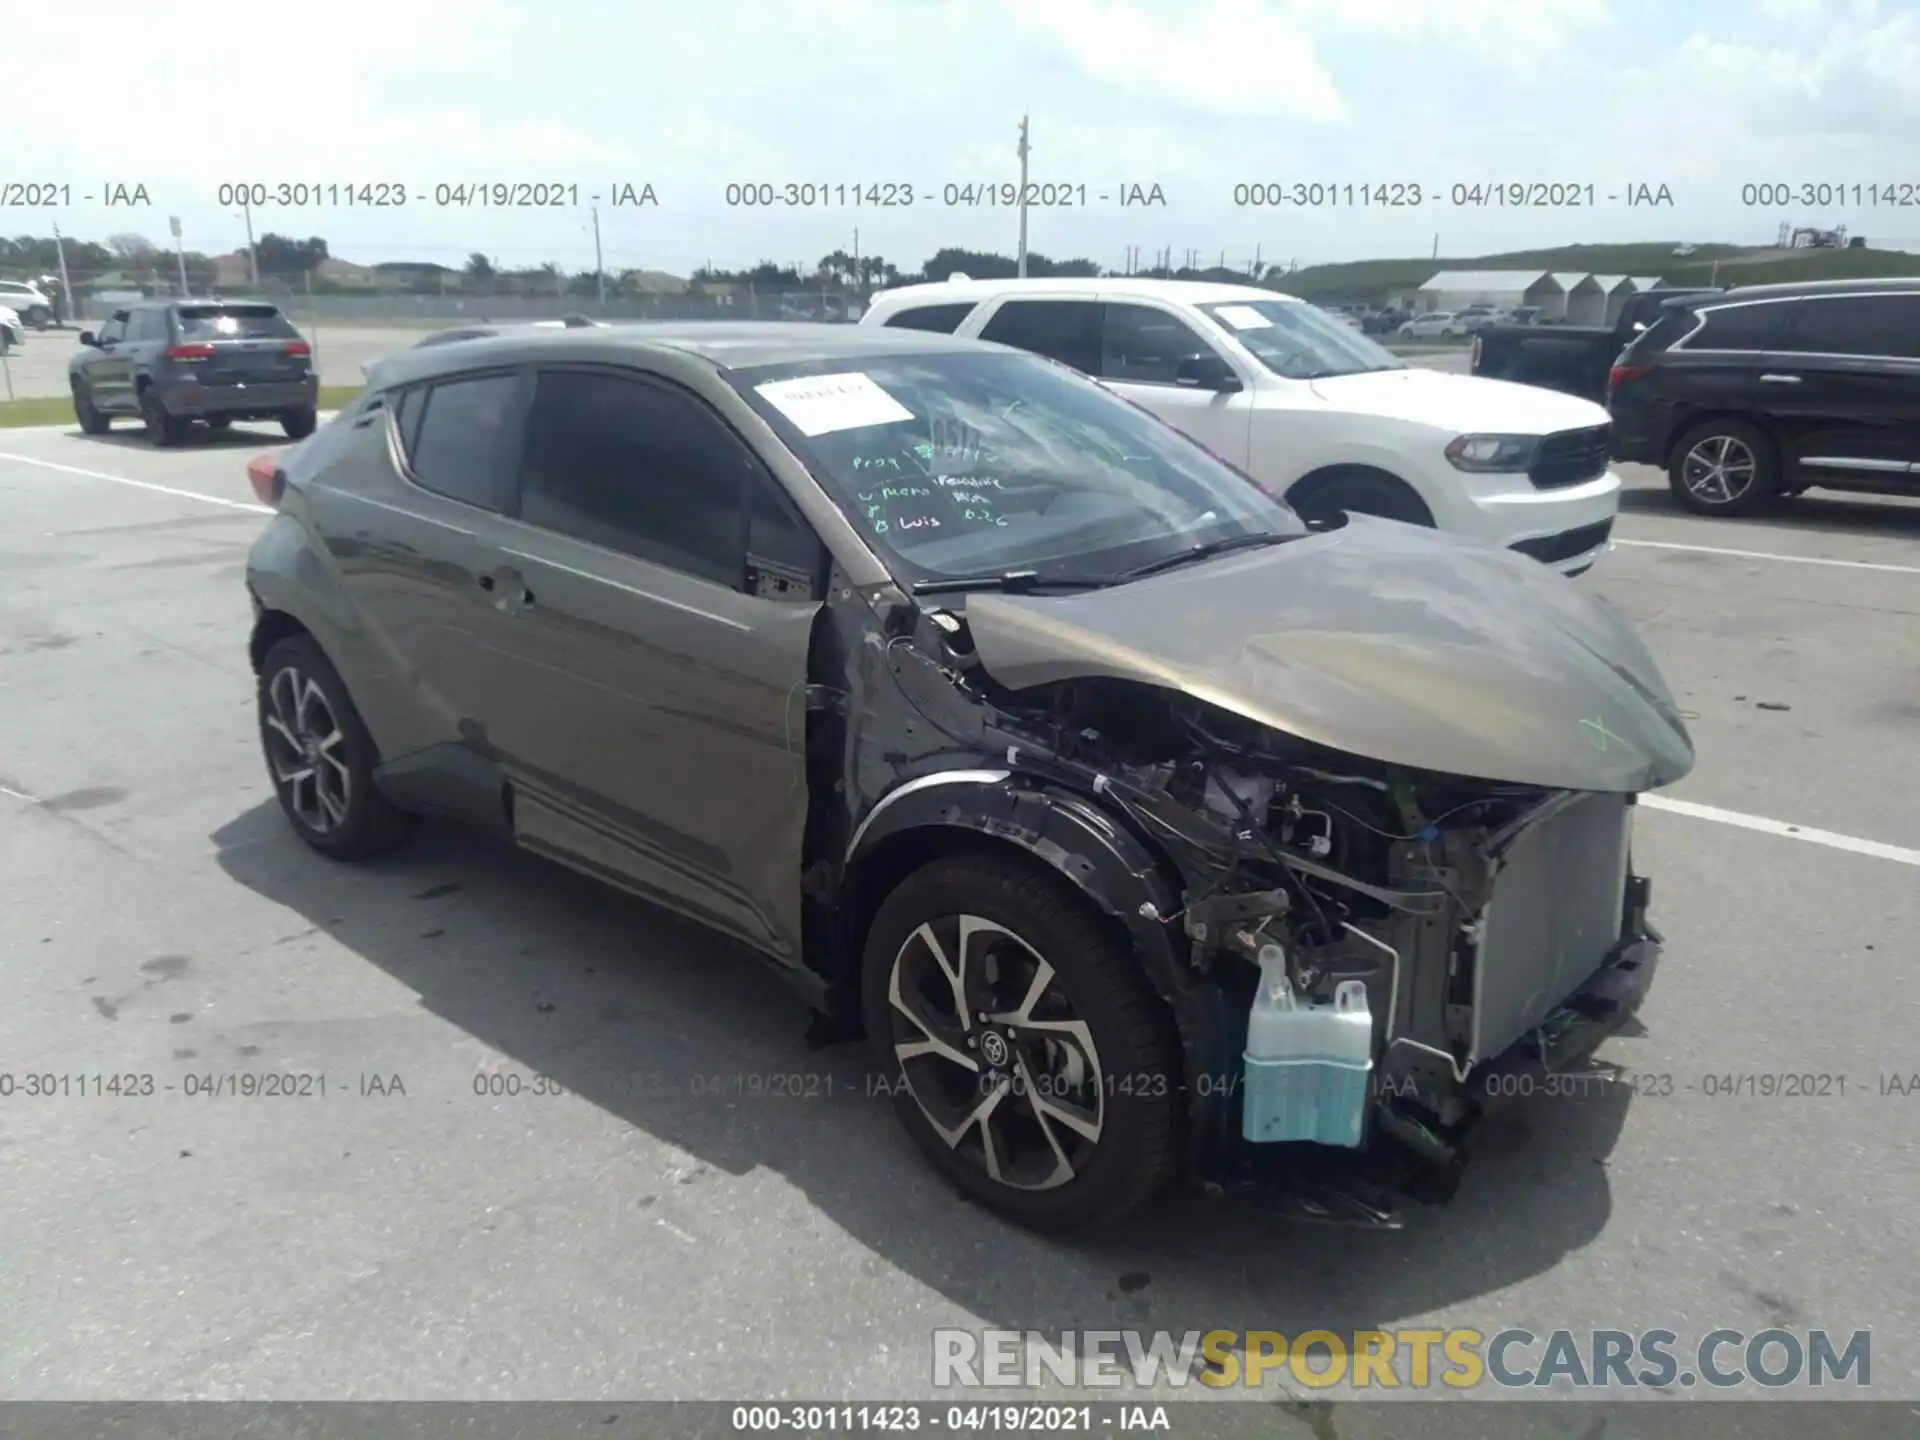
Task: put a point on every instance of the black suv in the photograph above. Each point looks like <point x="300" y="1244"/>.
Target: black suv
<point x="1001" y="718"/>
<point x="1770" y="390"/>
<point x="173" y="362"/>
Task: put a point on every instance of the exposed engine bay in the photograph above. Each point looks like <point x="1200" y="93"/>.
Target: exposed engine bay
<point x="1472" y="911"/>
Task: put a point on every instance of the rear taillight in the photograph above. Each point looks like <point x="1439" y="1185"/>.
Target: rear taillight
<point x="1621" y="374"/>
<point x="190" y="352"/>
<point x="267" y="478"/>
<point x="297" y="347"/>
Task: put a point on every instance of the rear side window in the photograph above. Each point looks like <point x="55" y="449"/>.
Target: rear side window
<point x="1063" y="330"/>
<point x="1876" y="325"/>
<point x="1753" y="326"/>
<point x="458" y="438"/>
<point x="940" y="319"/>
<point x="234" y="322"/>
<point x="641" y="468"/>
<point x="148" y="325"/>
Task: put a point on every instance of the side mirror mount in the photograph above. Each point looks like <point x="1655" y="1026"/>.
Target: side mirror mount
<point x="89" y="339"/>
<point x="1207" y="372"/>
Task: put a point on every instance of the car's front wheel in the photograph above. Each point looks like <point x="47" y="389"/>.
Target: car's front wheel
<point x="1724" y="467"/>
<point x="92" y="421"/>
<point x="1024" y="1050"/>
<point x="299" y="423"/>
<point x="320" y="756"/>
<point x="39" y="317"/>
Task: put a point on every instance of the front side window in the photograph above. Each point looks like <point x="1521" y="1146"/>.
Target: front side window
<point x="1145" y="346"/>
<point x="637" y="467"/>
<point x="114" y="330"/>
<point x="456" y="451"/>
<point x="963" y="464"/>
<point x="1875" y="325"/>
<point x="1300" y="342"/>
<point x="1063" y="330"/>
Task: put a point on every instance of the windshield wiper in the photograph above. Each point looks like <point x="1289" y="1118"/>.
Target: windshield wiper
<point x="1205" y="552"/>
<point x="1014" y="582"/>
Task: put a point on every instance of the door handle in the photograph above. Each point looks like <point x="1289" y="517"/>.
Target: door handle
<point x="1780" y="379"/>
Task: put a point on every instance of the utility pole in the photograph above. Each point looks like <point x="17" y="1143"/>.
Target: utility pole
<point x="599" y="269"/>
<point x="856" y="260"/>
<point x="1436" y="244"/>
<point x="179" y="252"/>
<point x="253" y="259"/>
<point x="1256" y="262"/>
<point x="66" y="286"/>
<point x="1023" y="197"/>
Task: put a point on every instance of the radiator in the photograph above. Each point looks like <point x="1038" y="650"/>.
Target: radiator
<point x="1554" y="914"/>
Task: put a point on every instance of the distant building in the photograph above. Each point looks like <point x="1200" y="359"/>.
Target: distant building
<point x="1507" y="289"/>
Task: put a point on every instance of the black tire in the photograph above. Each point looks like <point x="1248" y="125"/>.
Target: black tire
<point x="1135" y="1150"/>
<point x="350" y="821"/>
<point x="1724" y="467"/>
<point x="299" y="423"/>
<point x="39" y="317"/>
<point x="163" y="429"/>
<point x="1329" y="502"/>
<point x="219" y="422"/>
<point x="92" y="421"/>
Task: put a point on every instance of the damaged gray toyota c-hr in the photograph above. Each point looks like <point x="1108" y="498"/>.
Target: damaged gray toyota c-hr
<point x="1137" y="824"/>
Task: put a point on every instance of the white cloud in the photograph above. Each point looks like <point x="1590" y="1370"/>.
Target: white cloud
<point x="1226" y="57"/>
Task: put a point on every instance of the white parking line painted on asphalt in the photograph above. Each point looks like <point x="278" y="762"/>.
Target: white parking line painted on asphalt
<point x="1769" y="555"/>
<point x="1879" y="850"/>
<point x="137" y="484"/>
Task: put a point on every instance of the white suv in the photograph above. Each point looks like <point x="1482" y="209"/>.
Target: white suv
<point x="26" y="300"/>
<point x="1310" y="409"/>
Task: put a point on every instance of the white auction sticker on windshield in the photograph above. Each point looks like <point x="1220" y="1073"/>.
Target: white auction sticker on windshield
<point x="1244" y="317"/>
<point x="821" y="404"/>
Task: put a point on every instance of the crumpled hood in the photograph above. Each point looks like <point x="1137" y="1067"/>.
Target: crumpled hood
<point x="1387" y="641"/>
<point x="1459" y="404"/>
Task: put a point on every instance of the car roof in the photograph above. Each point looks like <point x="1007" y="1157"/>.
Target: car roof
<point x="1797" y="289"/>
<point x="1185" y="292"/>
<point x="725" y="344"/>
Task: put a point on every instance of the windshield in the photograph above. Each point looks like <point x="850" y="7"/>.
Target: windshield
<point x="234" y="322"/>
<point x="957" y="464"/>
<point x="1300" y="342"/>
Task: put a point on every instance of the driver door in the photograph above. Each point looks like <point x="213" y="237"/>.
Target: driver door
<point x="108" y="368"/>
<point x="1142" y="351"/>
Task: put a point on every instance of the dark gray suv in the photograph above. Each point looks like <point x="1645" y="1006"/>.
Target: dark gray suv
<point x="1007" y="723"/>
<point x="173" y="362"/>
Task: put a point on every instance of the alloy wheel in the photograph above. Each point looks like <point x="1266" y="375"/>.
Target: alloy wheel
<point x="1719" y="470"/>
<point x="994" y="1053"/>
<point x="305" y="744"/>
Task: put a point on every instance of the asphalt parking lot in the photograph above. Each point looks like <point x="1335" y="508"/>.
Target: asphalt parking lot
<point x="664" y="1230"/>
<point x="39" y="366"/>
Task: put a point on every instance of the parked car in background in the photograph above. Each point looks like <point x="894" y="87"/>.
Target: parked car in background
<point x="1472" y="322"/>
<point x="1385" y="321"/>
<point x="12" y="332"/>
<point x="1525" y="315"/>
<point x="1573" y="359"/>
<point x="172" y="362"/>
<point x="1313" y="411"/>
<point x="1430" y="325"/>
<point x="28" y="301"/>
<point x="1771" y="390"/>
<point x="997" y="717"/>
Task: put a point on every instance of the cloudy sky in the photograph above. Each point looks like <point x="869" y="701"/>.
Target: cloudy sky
<point x="1196" y="96"/>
